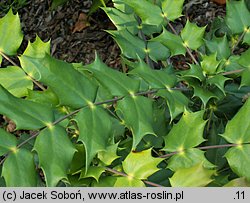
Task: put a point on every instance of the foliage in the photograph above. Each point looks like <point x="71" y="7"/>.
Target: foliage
<point x="91" y="125"/>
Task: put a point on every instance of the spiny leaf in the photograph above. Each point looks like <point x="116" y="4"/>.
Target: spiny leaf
<point x="195" y="71"/>
<point x="55" y="152"/>
<point x="93" y="172"/>
<point x="219" y="46"/>
<point x="171" y="41"/>
<point x="176" y="101"/>
<point x="244" y="61"/>
<point x="19" y="169"/>
<point x="137" y="114"/>
<point x="190" y="127"/>
<point x="209" y="64"/>
<point x="194" y="40"/>
<point x="140" y="165"/>
<point x="157" y="51"/>
<point x="116" y="82"/>
<point x="8" y="142"/>
<point x="108" y="156"/>
<point x="239" y="160"/>
<point x="238" y="129"/>
<point x="237" y="16"/>
<point x="172" y="9"/>
<point x="196" y="176"/>
<point x="94" y="124"/>
<point x="187" y="159"/>
<point x="155" y="78"/>
<point x="72" y="88"/>
<point x="10" y="33"/>
<point x="15" y="81"/>
<point x="154" y="17"/>
<point x="26" y="114"/>
<point x="218" y="81"/>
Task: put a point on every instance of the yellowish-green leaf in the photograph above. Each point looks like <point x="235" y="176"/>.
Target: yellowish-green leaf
<point x="10" y="33"/>
<point x="15" y="81"/>
<point x="140" y="165"/>
<point x="108" y="156"/>
<point x="196" y="176"/>
<point x="93" y="172"/>
<point x="238" y="182"/>
<point x="187" y="133"/>
<point x="210" y="64"/>
<point x="19" y="169"/>
<point x="55" y="152"/>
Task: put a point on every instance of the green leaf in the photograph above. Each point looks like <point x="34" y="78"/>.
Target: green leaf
<point x="96" y="5"/>
<point x="187" y="159"/>
<point x="244" y="61"/>
<point x="8" y="142"/>
<point x="94" y="125"/>
<point x="137" y="114"/>
<point x="15" y="81"/>
<point x="55" y="152"/>
<point x="196" y="176"/>
<point x="157" y="51"/>
<point x="27" y="115"/>
<point x="140" y="165"/>
<point x="116" y="82"/>
<point x="190" y="127"/>
<point x="108" y="156"/>
<point x="130" y="45"/>
<point x="237" y="16"/>
<point x="238" y="182"/>
<point x="219" y="46"/>
<point x="209" y="64"/>
<point x="110" y="181"/>
<point x="56" y="3"/>
<point x="218" y="81"/>
<point x="195" y="71"/>
<point x="177" y="102"/>
<point x="171" y="41"/>
<point x="194" y="40"/>
<point x="172" y="9"/>
<point x="154" y="17"/>
<point x="155" y="78"/>
<point x="239" y="160"/>
<point x="72" y="88"/>
<point x="19" y="169"/>
<point x="238" y="129"/>
<point x="11" y="35"/>
<point x="93" y="172"/>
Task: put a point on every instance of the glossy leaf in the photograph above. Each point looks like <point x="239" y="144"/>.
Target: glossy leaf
<point x="15" y="81"/>
<point x="209" y="64"/>
<point x="176" y="101"/>
<point x="157" y="51"/>
<point x="195" y="71"/>
<point x="219" y="81"/>
<point x="190" y="127"/>
<point x="238" y="129"/>
<point x="137" y="114"/>
<point x="239" y="160"/>
<point x="155" y="78"/>
<point x="19" y="169"/>
<point x="172" y="9"/>
<point x="196" y="176"/>
<point x="93" y="172"/>
<point x="219" y="46"/>
<point x="26" y="114"/>
<point x="140" y="165"/>
<point x="194" y="40"/>
<point x="154" y="17"/>
<point x="244" y="61"/>
<point x="72" y="88"/>
<point x="171" y="41"/>
<point x="237" y="16"/>
<point x="108" y="156"/>
<point x="55" y="152"/>
<point x="11" y="37"/>
<point x="8" y="142"/>
<point x="187" y="159"/>
<point x="94" y="125"/>
<point x="116" y="82"/>
<point x="238" y="182"/>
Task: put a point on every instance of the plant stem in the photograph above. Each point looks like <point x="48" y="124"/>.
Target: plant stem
<point x="237" y="43"/>
<point x="232" y="72"/>
<point x="14" y="64"/>
<point x="125" y="175"/>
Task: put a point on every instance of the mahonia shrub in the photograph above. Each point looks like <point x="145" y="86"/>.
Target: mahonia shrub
<point x="150" y="124"/>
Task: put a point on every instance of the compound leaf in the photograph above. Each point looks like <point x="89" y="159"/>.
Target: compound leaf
<point x="19" y="169"/>
<point x="140" y="165"/>
<point x="55" y="152"/>
<point x="187" y="133"/>
<point x="10" y="33"/>
<point x="26" y="114"/>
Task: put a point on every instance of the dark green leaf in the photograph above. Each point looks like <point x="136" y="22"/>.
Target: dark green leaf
<point x="8" y="142"/>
